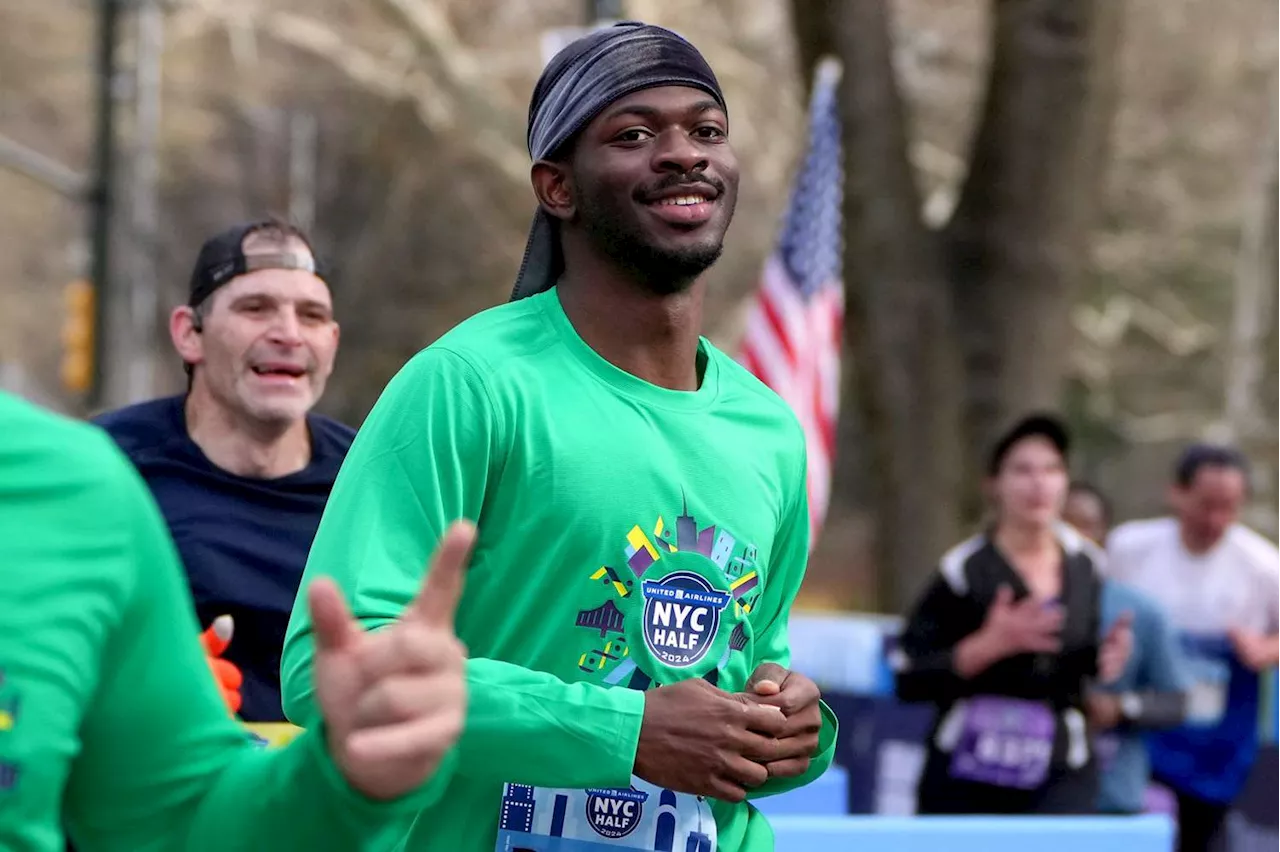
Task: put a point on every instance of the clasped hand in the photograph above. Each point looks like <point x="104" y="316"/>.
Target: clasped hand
<point x="698" y="739"/>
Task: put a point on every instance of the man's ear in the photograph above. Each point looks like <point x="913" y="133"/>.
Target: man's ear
<point x="184" y="331"/>
<point x="553" y="184"/>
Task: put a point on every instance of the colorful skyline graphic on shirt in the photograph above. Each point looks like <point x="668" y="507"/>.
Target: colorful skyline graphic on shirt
<point x="608" y="655"/>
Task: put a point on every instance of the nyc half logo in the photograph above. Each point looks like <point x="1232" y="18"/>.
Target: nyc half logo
<point x="681" y="617"/>
<point x="672" y="604"/>
<point x="615" y="813"/>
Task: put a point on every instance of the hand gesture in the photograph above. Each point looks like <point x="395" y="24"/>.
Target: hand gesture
<point x="797" y="697"/>
<point x="1255" y="651"/>
<point x="1117" y="645"/>
<point x="1026" y="627"/>
<point x="394" y="700"/>
<point x="225" y="673"/>
<point x="698" y="739"/>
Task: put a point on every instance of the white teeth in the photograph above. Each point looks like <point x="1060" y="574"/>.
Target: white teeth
<point x="684" y="200"/>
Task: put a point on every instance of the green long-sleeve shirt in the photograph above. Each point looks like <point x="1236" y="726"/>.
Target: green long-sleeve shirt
<point x="629" y="535"/>
<point x="110" y="723"/>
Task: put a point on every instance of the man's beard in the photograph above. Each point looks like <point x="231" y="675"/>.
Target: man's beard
<point x="663" y="271"/>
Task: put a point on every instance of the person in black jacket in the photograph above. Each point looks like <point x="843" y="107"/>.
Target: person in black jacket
<point x="1004" y="641"/>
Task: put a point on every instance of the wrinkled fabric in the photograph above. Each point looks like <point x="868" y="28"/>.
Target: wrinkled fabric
<point x="575" y="87"/>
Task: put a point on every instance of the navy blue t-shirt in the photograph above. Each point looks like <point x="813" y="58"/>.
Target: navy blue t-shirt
<point x="243" y="541"/>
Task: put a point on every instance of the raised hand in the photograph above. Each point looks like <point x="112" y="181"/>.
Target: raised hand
<point x="797" y="697"/>
<point x="394" y="700"/>
<point x="225" y="673"/>
<point x="1117" y="645"/>
<point x="1027" y="626"/>
<point x="1254" y="650"/>
<point x="698" y="739"/>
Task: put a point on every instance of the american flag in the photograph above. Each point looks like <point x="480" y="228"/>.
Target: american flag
<point x="792" y="340"/>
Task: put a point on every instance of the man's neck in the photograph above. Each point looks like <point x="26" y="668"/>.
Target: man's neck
<point x="650" y="336"/>
<point x="246" y="448"/>
<point x="1197" y="546"/>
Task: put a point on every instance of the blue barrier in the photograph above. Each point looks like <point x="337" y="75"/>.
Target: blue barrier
<point x="828" y="795"/>
<point x="973" y="834"/>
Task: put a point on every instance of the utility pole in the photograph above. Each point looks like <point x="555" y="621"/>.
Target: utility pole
<point x="144" y="284"/>
<point x="101" y="200"/>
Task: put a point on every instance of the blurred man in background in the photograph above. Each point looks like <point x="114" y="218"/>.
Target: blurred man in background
<point x="1089" y="511"/>
<point x="1218" y="582"/>
<point x="1150" y="693"/>
<point x="239" y="464"/>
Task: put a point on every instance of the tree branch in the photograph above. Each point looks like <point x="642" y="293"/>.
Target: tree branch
<point x="442" y="103"/>
<point x="498" y="127"/>
<point x="46" y="171"/>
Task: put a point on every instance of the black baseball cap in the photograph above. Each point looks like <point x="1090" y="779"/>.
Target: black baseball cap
<point x="1046" y="426"/>
<point x="222" y="257"/>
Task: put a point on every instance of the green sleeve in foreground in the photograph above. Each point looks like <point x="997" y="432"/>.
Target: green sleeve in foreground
<point x="771" y="646"/>
<point x="164" y="767"/>
<point x="528" y="727"/>
<point x="424" y="458"/>
<point x="525" y="726"/>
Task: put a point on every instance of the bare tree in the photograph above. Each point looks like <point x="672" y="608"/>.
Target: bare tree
<point x="953" y="330"/>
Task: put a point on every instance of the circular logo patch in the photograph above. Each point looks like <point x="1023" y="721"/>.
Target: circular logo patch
<point x="681" y="617"/>
<point x="615" y="813"/>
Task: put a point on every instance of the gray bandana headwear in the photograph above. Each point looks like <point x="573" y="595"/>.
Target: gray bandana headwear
<point x="578" y="83"/>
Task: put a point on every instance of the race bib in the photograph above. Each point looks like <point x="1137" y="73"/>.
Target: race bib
<point x="1207" y="696"/>
<point x="1004" y="741"/>
<point x="271" y="734"/>
<point x="641" y="817"/>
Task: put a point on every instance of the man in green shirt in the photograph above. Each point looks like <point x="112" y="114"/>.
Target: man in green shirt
<point x="109" y="721"/>
<point x="640" y="498"/>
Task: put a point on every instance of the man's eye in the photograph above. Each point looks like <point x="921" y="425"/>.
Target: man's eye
<point x="710" y="132"/>
<point x="635" y="134"/>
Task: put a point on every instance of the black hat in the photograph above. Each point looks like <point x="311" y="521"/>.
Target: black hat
<point x="1042" y="425"/>
<point x="222" y="258"/>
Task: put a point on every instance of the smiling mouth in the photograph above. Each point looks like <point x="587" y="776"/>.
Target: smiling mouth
<point x="682" y="200"/>
<point x="280" y="372"/>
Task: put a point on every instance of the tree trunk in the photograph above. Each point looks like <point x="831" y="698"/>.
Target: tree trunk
<point x="1018" y="244"/>
<point x="948" y="335"/>
<point x="901" y="378"/>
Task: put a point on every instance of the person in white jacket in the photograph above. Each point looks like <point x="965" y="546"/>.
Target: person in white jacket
<point x="1218" y="582"/>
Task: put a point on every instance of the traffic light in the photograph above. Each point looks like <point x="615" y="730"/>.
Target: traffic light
<point x="79" y="304"/>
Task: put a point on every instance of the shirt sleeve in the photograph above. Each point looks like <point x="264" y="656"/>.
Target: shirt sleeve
<point x="771" y="645"/>
<point x="1270" y="590"/>
<point x="924" y="662"/>
<point x="425" y="457"/>
<point x="1165" y="670"/>
<point x="1119" y="552"/>
<point x="162" y="765"/>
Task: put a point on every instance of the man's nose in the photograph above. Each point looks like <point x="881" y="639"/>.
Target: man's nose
<point x="675" y="151"/>
<point x="286" y="329"/>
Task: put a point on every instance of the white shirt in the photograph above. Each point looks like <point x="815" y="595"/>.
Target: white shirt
<point x="1234" y="584"/>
